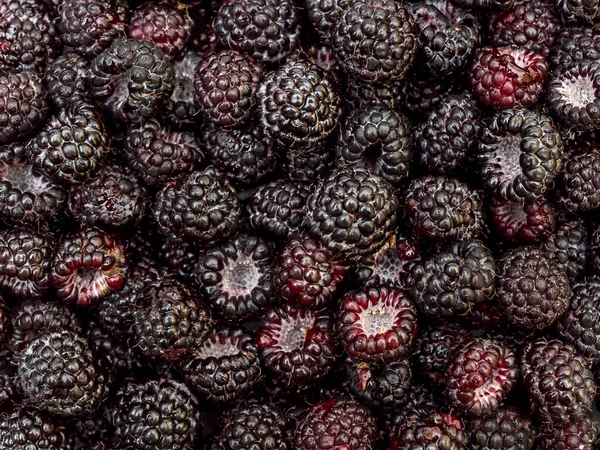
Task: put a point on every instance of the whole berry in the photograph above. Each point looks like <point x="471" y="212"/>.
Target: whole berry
<point x="88" y="265"/>
<point x="343" y="421"/>
<point x="508" y="77"/>
<point x="353" y="212"/>
<point x="506" y="429"/>
<point x="374" y="40"/>
<point x="26" y="428"/>
<point x="60" y="374"/>
<point x="255" y="425"/>
<point x="533" y="289"/>
<point x="579" y="181"/>
<point x="442" y="209"/>
<point x="377" y="325"/>
<point x="378" y="139"/>
<point x="225" y="87"/>
<point x="480" y="376"/>
<point x="436" y="431"/>
<point x="298" y="104"/>
<point x="520" y="154"/>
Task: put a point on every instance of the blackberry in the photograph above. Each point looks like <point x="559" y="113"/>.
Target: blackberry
<point x="374" y="40"/>
<point x="31" y="319"/>
<point x="569" y="244"/>
<point x="442" y="209"/>
<point x="479" y="376"/>
<point x="131" y="79"/>
<point x="244" y="155"/>
<point x="180" y="111"/>
<point x="378" y="139"/>
<point x="306" y="274"/>
<point x="298" y="104"/>
<point x="559" y="383"/>
<point x="158" y="154"/>
<point x="579" y="182"/>
<point x="225" y="87"/>
<point x="25" y="263"/>
<point x="179" y="257"/>
<point x="376" y="325"/>
<point x="438" y="430"/>
<point x="594" y="251"/>
<point x="385" y="387"/>
<point x="360" y="94"/>
<point x="168" y="321"/>
<point x="435" y="347"/>
<point x="200" y="207"/>
<point x="59" y="373"/>
<point x="582" y="434"/>
<point x="90" y="26"/>
<point x="267" y="30"/>
<point x="297" y="345"/>
<point x="506" y="429"/>
<point x="311" y="164"/>
<point x="323" y="15"/>
<point x="24" y="428"/>
<point x="574" y="95"/>
<point x="26" y="196"/>
<point x="88" y="265"/>
<point x="520" y="154"/>
<point x="533" y="290"/>
<point x="166" y="26"/>
<point x="113" y="199"/>
<point x="508" y="77"/>
<point x="446" y="140"/>
<point x="419" y="95"/>
<point x="527" y="222"/>
<point x="23" y="104"/>
<point x="353" y="212"/>
<point x="486" y="315"/>
<point x="454" y="280"/>
<point x="71" y="146"/>
<point x="93" y="430"/>
<point x="580" y="326"/>
<point x="277" y="208"/>
<point x="10" y="395"/>
<point x="66" y="79"/>
<point x="448" y="36"/>
<point x="235" y="277"/>
<point x="575" y="44"/>
<point x="485" y="4"/>
<point x="255" y="426"/>
<point x="156" y="414"/>
<point x="28" y="35"/>
<point x="225" y="368"/>
<point x="343" y="421"/>
<point x="580" y="11"/>
<point x="532" y="25"/>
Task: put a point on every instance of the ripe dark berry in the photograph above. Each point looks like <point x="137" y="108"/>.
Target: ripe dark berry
<point x="66" y="78"/>
<point x="25" y="428"/>
<point x="569" y="244"/>
<point x="506" y="429"/>
<point x="582" y="434"/>
<point x="434" y="431"/>
<point x="523" y="223"/>
<point x="579" y="182"/>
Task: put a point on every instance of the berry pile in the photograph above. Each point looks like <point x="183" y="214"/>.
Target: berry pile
<point x="299" y="224"/>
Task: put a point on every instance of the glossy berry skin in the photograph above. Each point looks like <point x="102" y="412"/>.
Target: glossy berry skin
<point x="377" y="325"/>
<point x="506" y="429"/>
<point x="480" y="376"/>
<point x="523" y="223"/>
<point x="255" y="425"/>
<point x="436" y="431"/>
<point x="582" y="435"/>
<point x="66" y="79"/>
<point x="569" y="244"/>
<point x="579" y="182"/>
<point x="25" y="428"/>
<point x="343" y="421"/>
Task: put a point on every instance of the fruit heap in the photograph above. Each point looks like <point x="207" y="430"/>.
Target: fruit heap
<point x="299" y="224"/>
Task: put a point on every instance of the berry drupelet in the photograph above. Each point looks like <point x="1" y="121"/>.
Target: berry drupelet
<point x="506" y="429"/>
<point x="66" y="79"/>
<point x="580" y="435"/>
<point x="569" y="244"/>
<point x="531" y="221"/>
<point x="575" y="44"/>
<point x="25" y="428"/>
<point x="579" y="181"/>
<point x="436" y="431"/>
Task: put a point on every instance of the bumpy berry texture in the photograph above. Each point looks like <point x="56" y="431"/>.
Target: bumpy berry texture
<point x="157" y="153"/>
<point x="160" y="413"/>
<point x="200" y="207"/>
<point x="90" y="26"/>
<point x="225" y="87"/>
<point x="558" y="380"/>
<point x="377" y="325"/>
<point x="88" y="265"/>
<point x="180" y="110"/>
<point x="296" y="345"/>
<point x="225" y="368"/>
<point x="445" y="141"/>
<point x="265" y="29"/>
<point x="582" y="434"/>
<point x="307" y="165"/>
<point x="508" y="77"/>
<point x="575" y="44"/>
<point x="132" y="79"/>
<point x="579" y="182"/>
<point x="235" y="277"/>
<point x="527" y="222"/>
<point x="255" y="425"/>
<point x="438" y="430"/>
<point x="520" y="154"/>
<point x="25" y="263"/>
<point x="442" y="209"/>
<point x="533" y="289"/>
<point x="60" y="374"/>
<point x="307" y="274"/>
<point x="453" y="281"/>
<point x="343" y="421"/>
<point x="507" y="428"/>
<point x="378" y="139"/>
<point x="579" y="11"/>
<point x="569" y="244"/>
<point x="25" y="428"/>
<point x="298" y="104"/>
<point x="375" y="57"/>
<point x="353" y="212"/>
<point x="66" y="79"/>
